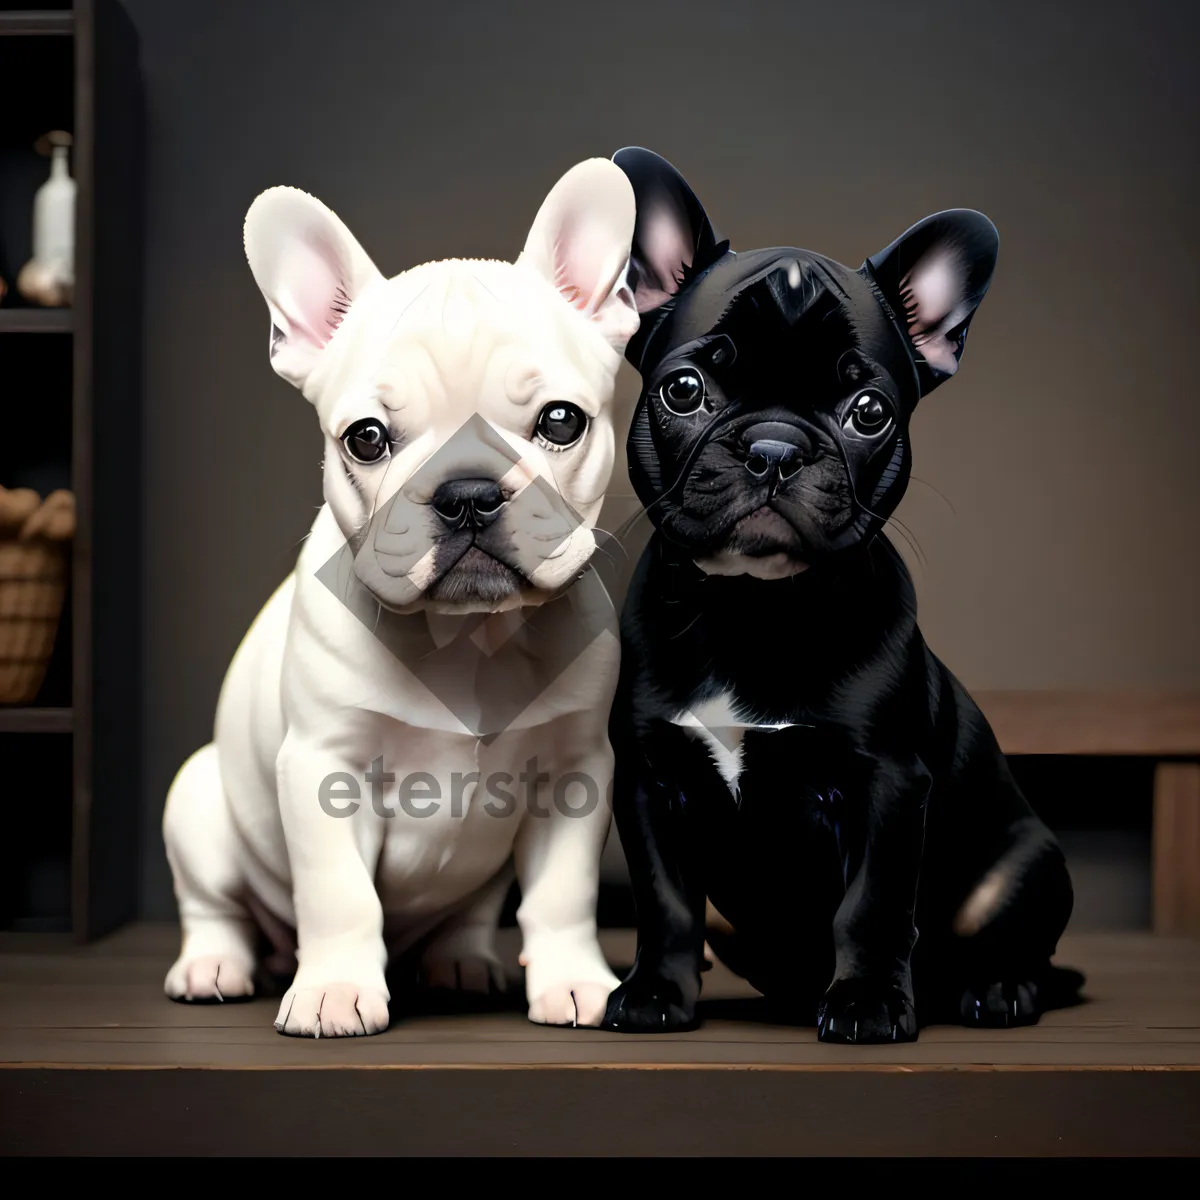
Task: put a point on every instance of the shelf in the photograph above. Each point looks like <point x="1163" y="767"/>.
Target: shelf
<point x="88" y="379"/>
<point x="36" y="320"/>
<point x="35" y="720"/>
<point x="34" y="24"/>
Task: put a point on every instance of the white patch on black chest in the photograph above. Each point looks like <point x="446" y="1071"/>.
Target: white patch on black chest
<point x="720" y="723"/>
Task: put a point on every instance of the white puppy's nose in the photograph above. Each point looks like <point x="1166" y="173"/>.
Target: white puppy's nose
<point x="468" y="503"/>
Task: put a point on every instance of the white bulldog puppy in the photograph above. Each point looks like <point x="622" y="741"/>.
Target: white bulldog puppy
<point x="422" y="706"/>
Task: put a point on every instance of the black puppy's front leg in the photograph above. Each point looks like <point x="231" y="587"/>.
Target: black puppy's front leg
<point x="661" y="992"/>
<point x="871" y="997"/>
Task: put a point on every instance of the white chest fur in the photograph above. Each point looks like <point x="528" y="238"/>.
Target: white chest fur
<point x="722" y="724"/>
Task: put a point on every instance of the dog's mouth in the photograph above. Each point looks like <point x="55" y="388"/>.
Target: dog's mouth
<point x="763" y="533"/>
<point x="462" y="573"/>
<point x="763" y="543"/>
<point x="477" y="577"/>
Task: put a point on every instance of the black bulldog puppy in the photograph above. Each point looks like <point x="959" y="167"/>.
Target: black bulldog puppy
<point x="787" y="745"/>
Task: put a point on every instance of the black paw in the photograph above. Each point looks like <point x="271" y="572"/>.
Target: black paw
<point x="1002" y="1005"/>
<point x="862" y="1012"/>
<point x="653" y="1006"/>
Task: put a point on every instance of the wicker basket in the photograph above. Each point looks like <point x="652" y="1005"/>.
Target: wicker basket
<point x="32" y="587"/>
<point x="33" y="584"/>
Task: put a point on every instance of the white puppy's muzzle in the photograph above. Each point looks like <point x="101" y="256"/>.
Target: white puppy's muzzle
<point x="473" y="529"/>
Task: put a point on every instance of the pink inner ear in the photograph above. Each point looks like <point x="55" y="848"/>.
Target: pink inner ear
<point x="934" y="303"/>
<point x="571" y="263"/>
<point x="667" y="252"/>
<point x="935" y="287"/>
<point x="584" y="268"/>
<point x="318" y="296"/>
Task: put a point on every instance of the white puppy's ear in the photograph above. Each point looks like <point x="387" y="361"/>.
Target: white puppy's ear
<point x="310" y="270"/>
<point x="580" y="241"/>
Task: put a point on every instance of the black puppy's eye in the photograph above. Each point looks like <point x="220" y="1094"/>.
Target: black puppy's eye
<point x="870" y="414"/>
<point x="562" y="424"/>
<point x="682" y="392"/>
<point x="367" y="441"/>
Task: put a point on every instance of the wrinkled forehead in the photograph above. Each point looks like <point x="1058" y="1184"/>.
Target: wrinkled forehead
<point x="475" y="330"/>
<point x="784" y="309"/>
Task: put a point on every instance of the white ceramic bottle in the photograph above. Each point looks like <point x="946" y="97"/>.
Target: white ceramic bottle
<point x="48" y="278"/>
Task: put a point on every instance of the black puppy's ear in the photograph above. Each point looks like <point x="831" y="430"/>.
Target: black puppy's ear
<point x="934" y="277"/>
<point x="673" y="236"/>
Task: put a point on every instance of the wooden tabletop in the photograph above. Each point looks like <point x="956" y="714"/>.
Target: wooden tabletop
<point x="87" y="1030"/>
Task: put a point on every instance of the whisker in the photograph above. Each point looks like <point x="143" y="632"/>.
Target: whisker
<point x="612" y="539"/>
<point x="612" y="558"/>
<point x="925" y="483"/>
<point x="911" y="540"/>
<point x="627" y="526"/>
<point x="686" y="627"/>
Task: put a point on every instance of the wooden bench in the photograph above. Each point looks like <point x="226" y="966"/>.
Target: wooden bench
<point x="1164" y="726"/>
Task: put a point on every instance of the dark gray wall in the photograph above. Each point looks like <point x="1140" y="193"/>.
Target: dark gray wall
<point x="1064" y="552"/>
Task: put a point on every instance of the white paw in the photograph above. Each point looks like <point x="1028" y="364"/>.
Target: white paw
<point x="478" y="973"/>
<point x="575" y="1004"/>
<point x="335" y="1010"/>
<point x="209" y="978"/>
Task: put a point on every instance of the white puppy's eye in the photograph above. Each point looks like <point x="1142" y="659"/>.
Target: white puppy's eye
<point x="682" y="392"/>
<point x="367" y="441"/>
<point x="561" y="424"/>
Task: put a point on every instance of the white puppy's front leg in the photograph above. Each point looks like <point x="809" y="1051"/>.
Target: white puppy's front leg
<point x="558" y="850"/>
<point x="339" y="988"/>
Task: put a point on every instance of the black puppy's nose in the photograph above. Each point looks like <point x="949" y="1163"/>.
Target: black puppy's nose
<point x="774" y="447"/>
<point x="468" y="502"/>
<point x="766" y="454"/>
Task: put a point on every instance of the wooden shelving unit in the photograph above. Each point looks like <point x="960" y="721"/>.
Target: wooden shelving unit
<point x="37" y="23"/>
<point x="36" y="320"/>
<point x="36" y="720"/>
<point x="72" y="398"/>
